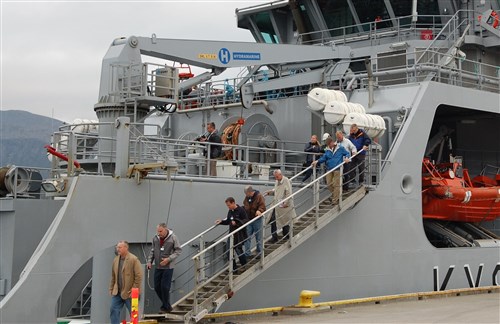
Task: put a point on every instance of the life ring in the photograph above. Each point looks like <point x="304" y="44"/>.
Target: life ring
<point x="230" y="136"/>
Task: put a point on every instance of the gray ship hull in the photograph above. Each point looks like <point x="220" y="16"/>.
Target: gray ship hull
<point x="377" y="248"/>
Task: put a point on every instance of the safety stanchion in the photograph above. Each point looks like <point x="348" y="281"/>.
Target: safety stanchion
<point x="134" y="312"/>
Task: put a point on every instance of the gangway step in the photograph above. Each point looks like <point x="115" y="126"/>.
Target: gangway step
<point x="171" y="317"/>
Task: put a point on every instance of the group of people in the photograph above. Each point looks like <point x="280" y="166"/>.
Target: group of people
<point x="335" y="152"/>
<point x="254" y="206"/>
<point x="126" y="271"/>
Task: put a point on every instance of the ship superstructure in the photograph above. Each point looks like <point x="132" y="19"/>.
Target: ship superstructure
<point x="428" y="69"/>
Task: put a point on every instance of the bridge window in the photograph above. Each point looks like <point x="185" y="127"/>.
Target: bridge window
<point x="336" y="14"/>
<point x="372" y="10"/>
<point x="402" y="8"/>
<point x="263" y="21"/>
<point x="427" y="8"/>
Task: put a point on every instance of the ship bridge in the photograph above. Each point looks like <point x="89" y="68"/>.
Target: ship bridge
<point x="319" y="21"/>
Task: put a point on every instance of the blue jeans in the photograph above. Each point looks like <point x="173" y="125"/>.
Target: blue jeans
<point x="254" y="228"/>
<point x="116" y="307"/>
<point x="163" y="281"/>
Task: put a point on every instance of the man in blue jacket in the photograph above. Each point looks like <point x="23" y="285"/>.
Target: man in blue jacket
<point x="334" y="156"/>
<point x="359" y="138"/>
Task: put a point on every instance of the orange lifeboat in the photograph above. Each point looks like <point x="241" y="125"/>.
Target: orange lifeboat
<point x="445" y="196"/>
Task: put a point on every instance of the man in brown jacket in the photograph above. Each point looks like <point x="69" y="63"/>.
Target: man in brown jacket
<point x="126" y="274"/>
<point x="254" y="204"/>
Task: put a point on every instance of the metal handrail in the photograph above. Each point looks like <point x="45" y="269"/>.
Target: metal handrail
<point x="199" y="260"/>
<point x="198" y="236"/>
<point x="452" y="20"/>
<point x="269" y="210"/>
<point x="372" y="31"/>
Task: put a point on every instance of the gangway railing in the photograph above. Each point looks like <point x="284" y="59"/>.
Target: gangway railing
<point x="213" y="278"/>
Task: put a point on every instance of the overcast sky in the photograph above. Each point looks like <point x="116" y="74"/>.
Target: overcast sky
<point x="51" y="51"/>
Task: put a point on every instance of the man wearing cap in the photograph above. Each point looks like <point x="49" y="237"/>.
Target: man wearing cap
<point x="323" y="139"/>
<point x="254" y="204"/>
<point x="334" y="156"/>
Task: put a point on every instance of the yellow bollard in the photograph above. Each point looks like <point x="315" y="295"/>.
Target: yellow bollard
<point x="306" y="298"/>
<point x="134" y="312"/>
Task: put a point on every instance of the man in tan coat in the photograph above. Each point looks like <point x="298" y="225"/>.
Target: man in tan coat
<point x="126" y="274"/>
<point x="285" y="212"/>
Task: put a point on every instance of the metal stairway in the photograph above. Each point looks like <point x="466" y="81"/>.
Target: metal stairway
<point x="210" y="292"/>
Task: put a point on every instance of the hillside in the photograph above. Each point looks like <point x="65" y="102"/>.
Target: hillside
<point x="23" y="136"/>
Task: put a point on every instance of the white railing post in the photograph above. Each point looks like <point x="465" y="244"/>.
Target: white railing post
<point x="262" y="237"/>
<point x="209" y="160"/>
<point x="122" y="146"/>
<point x="231" y="258"/>
<point x="315" y="192"/>
<point x="341" y="183"/>
<point x="71" y="150"/>
<point x="197" y="283"/>
<point x="202" y="261"/>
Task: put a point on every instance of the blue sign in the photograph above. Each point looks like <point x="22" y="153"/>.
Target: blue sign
<point x="224" y="55"/>
<point x="242" y="56"/>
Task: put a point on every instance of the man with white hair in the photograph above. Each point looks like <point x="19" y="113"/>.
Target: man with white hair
<point x="285" y="211"/>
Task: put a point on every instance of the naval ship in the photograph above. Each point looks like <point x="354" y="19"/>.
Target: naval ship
<point x="420" y="77"/>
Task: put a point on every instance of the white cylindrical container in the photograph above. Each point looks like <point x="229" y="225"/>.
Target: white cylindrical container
<point x="338" y="95"/>
<point x="335" y="112"/>
<point x="354" y="118"/>
<point x="373" y="125"/>
<point x="356" y="107"/>
<point x="318" y="98"/>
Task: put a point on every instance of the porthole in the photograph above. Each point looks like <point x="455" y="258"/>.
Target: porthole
<point x="407" y="184"/>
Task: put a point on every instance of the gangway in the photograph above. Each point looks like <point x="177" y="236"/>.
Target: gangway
<point x="211" y="291"/>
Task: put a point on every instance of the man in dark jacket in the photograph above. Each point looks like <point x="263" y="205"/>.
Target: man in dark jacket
<point x="214" y="151"/>
<point x="312" y="147"/>
<point x="236" y="217"/>
<point x="254" y="204"/>
<point x="165" y="250"/>
<point x="359" y="138"/>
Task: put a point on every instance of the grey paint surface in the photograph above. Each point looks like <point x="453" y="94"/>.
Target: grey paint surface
<point x="362" y="253"/>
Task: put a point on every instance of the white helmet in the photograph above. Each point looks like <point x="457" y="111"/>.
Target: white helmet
<point x="325" y="136"/>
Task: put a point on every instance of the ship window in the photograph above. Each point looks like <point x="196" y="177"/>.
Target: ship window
<point x="268" y="38"/>
<point x="336" y="14"/>
<point x="308" y="26"/>
<point x="427" y="8"/>
<point x="263" y="22"/>
<point x="372" y="10"/>
<point x="402" y="8"/>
